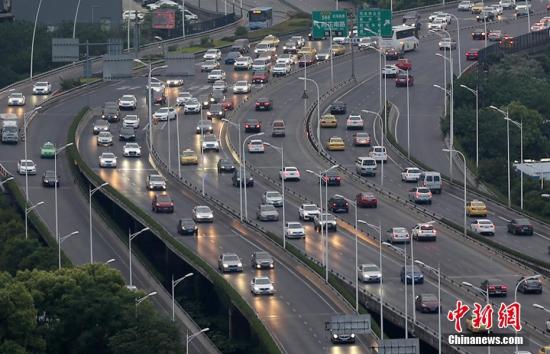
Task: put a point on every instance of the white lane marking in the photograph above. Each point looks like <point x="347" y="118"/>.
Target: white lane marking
<point x="544" y="237"/>
<point x="503" y="218"/>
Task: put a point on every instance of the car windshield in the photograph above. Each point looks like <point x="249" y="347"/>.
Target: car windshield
<point x="204" y="123"/>
<point x="127" y="97"/>
<point x="193" y="101"/>
<point x="423" y="190"/>
<point x="203" y="209"/>
<point x="104" y="135"/>
<point x="328" y="217"/>
<point x="429" y="298"/>
<point x="263" y="281"/>
<point x="41" y="83"/>
<point x="361" y="135"/>
<point x="414" y="170"/>
<point x="156" y="178"/>
<point x="478" y="204"/>
<point x="132" y="145"/>
<point x="215" y="107"/>
<point x="49" y="174"/>
<point x="399" y="230"/>
<point x="370" y="268"/>
<point x="16" y="95"/>
<point x="523" y="222"/>
<point x="210" y="138"/>
<point x="484" y="222"/>
<point x="163" y="110"/>
<point x="130" y="118"/>
<point x="294" y="225"/>
<point x="187" y="222"/>
<point x="108" y="155"/>
<point x="231" y="258"/>
<point x="127" y="130"/>
<point x="241" y="83"/>
<point x="216" y="72"/>
<point x="210" y="62"/>
<point x="262" y="46"/>
<point x="267" y="208"/>
<point x="310" y="207"/>
<point x="263" y="255"/>
<point x="273" y="194"/>
<point x="164" y="198"/>
<point x="188" y="153"/>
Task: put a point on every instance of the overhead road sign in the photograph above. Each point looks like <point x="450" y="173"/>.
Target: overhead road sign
<point x="65" y="50"/>
<point x="180" y="64"/>
<point x="337" y="20"/>
<point x="399" y="346"/>
<point x="358" y="324"/>
<point x="374" y="22"/>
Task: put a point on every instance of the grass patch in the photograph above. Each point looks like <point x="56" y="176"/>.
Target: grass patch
<point x="285" y="27"/>
<point x="196" y="48"/>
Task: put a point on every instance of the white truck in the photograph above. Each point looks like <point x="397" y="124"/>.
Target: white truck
<point x="10" y="128"/>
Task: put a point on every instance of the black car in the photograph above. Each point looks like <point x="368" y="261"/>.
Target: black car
<point x="216" y="111"/>
<point x="478" y="34"/>
<point x="252" y="126"/>
<point x="392" y="54"/>
<point x="237" y="179"/>
<point x="110" y="112"/>
<point x="187" y="227"/>
<point x="520" y="227"/>
<point x="331" y="178"/>
<point x="290" y="47"/>
<point x="485" y="16"/>
<point x="206" y="101"/>
<point x="529" y="285"/>
<point x="158" y="97"/>
<point x="338" y="204"/>
<point x="225" y="165"/>
<point x="127" y="134"/>
<point x="217" y="96"/>
<point x="231" y="57"/>
<point x="408" y="273"/>
<point x="50" y="179"/>
<point x="338" y="108"/>
<point x="261" y="260"/>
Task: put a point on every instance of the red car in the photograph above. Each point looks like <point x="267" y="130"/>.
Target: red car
<point x="361" y="139"/>
<point x="307" y="61"/>
<point x="264" y="104"/>
<point x="159" y="98"/>
<point x="404" y="64"/>
<point x="495" y="287"/>
<point x="366" y="200"/>
<point x="403" y="79"/>
<point x="392" y="54"/>
<point x="162" y="203"/>
<point x="472" y="54"/>
<point x="260" y="77"/>
<point x="252" y="126"/>
<point x="228" y="105"/>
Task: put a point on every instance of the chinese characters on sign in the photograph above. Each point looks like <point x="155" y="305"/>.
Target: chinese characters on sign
<point x="482" y="316"/>
<point x="374" y="22"/>
<point x="324" y="21"/>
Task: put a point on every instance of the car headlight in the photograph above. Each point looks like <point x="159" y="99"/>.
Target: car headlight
<point x="271" y="265"/>
<point x="352" y="335"/>
<point x="239" y="264"/>
<point x="225" y="265"/>
<point x="335" y="336"/>
<point x="258" y="266"/>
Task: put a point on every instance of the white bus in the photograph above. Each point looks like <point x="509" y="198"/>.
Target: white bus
<point x="403" y="38"/>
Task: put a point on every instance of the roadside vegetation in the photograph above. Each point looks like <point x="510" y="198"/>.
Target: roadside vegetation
<point x="521" y="84"/>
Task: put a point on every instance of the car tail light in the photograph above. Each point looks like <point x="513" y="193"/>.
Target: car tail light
<point x="158" y="204"/>
<point x="347" y="204"/>
<point x="257" y="103"/>
<point x="504" y="287"/>
<point x="257" y="125"/>
<point x="246" y="126"/>
<point x="338" y="178"/>
<point x="334" y="204"/>
<point x="491" y="287"/>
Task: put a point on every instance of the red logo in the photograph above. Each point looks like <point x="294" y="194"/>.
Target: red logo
<point x="482" y="316"/>
<point x="509" y="316"/>
<point x="457" y="314"/>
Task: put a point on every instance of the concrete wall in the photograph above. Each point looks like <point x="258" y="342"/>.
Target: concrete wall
<point x="56" y="11"/>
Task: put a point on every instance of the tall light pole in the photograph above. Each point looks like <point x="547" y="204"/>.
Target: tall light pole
<point x="444" y="64"/>
<point x="243" y="176"/>
<point x="520" y="126"/>
<point x="59" y="241"/>
<point x="476" y="94"/>
<point x="484" y="293"/>
<point x="26" y="120"/>
<point x="438" y="271"/>
<point x="507" y="119"/>
<point x="150" y="107"/>
<point x="183" y="18"/>
<point x="27" y="211"/>
<point x="140" y="300"/>
<point x="90" y="194"/>
<point x="355" y="229"/>
<point x="189" y="338"/>
<point x="465" y="187"/>
<point x="75" y="16"/>
<point x="318" y="108"/>
<point x="34" y="35"/>
<point x="315" y="22"/>
<point x="178" y="147"/>
<point x="280" y="149"/>
<point x="408" y="120"/>
<point x="532" y="277"/>
<point x="459" y="54"/>
<point x="320" y="177"/>
<point x="174" y="284"/>
<point x="57" y="151"/>
<point x="382" y="54"/>
<point x="130" y="238"/>
<point x="451" y="110"/>
<point x="94" y="7"/>
<point x="240" y="166"/>
<point x="378" y="116"/>
<point x="5" y="181"/>
<point x="540" y="307"/>
<point x="379" y="230"/>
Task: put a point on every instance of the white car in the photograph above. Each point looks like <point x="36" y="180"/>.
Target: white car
<point x="289" y="59"/>
<point x="183" y="97"/>
<point x="367" y="42"/>
<point x="274" y="198"/>
<point x="263" y="48"/>
<point x="127" y="102"/>
<point x="261" y="286"/>
<point x="390" y="70"/>
<point x="466" y="5"/>
<point x="424" y="231"/>
<point x="105" y="139"/>
<point x="189" y="16"/>
<point x="290" y="173"/>
<point x="210" y="142"/>
<point x="354" y="121"/>
<point x="281" y="69"/>
<point x="243" y="63"/>
<point x="339" y="40"/>
<point x="369" y="273"/>
<point x="26" y="167"/>
<point x="446" y="44"/>
<point x="308" y="211"/>
<point x="216" y="75"/>
<point x="398" y="234"/>
<point x="220" y="85"/>
<point x="438" y="24"/>
<point x="160" y="3"/>
<point x="203" y="213"/>
<point x="174" y="82"/>
<point x="294" y="229"/>
<point x="496" y="9"/>
<point x="210" y="65"/>
<point x="132" y="15"/>
<point x="439" y="14"/>
<point x="256" y="145"/>
<point x="300" y="40"/>
<point x="156" y="85"/>
<point x="379" y="153"/>
<point x="507" y="4"/>
<point x="130" y="121"/>
<point x="132" y="150"/>
<point x="410" y="174"/>
<point x="165" y="113"/>
<point x="41" y="88"/>
<point x="539" y="26"/>
<point x="192" y="106"/>
<point x="16" y="99"/>
<point x="242" y="87"/>
<point x="107" y="159"/>
<point x="212" y="54"/>
<point x="483" y="227"/>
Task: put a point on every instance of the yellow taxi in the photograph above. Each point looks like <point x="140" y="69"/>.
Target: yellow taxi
<point x="189" y="157"/>
<point x="328" y="121"/>
<point x="470" y="326"/>
<point x="476" y="208"/>
<point x="307" y="51"/>
<point x="545" y="349"/>
<point x="477" y="8"/>
<point x="336" y="144"/>
<point x="271" y="39"/>
<point x="338" y="49"/>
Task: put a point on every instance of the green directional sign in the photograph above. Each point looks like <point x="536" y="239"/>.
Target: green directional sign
<point x="374" y="22"/>
<point x="324" y="21"/>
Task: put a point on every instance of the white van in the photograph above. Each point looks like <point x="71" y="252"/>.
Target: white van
<point x="261" y="64"/>
<point x="379" y="153"/>
<point x="365" y="166"/>
<point x="431" y="180"/>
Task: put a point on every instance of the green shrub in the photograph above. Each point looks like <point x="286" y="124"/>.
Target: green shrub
<point x="241" y="31"/>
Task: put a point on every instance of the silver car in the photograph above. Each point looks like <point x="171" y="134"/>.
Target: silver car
<point x="105" y="139"/>
<point x="204" y="126"/>
<point x="370" y="273"/>
<point x="294" y="229"/>
<point x="262" y="286"/>
<point x="203" y="213"/>
<point x="272" y="198"/>
<point x="267" y="212"/>
<point x="130" y="121"/>
<point x="230" y="262"/>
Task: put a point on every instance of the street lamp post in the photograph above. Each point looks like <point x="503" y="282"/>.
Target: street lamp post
<point x="408" y="120"/>
<point x="532" y="277"/>
<point x="109" y="261"/>
<point x="183" y="18"/>
<point x="174" y="284"/>
<point x="484" y="293"/>
<point x="243" y="176"/>
<point x="140" y="300"/>
<point x="130" y="238"/>
<point x="382" y="54"/>
<point x="90" y="194"/>
<point x="540" y="307"/>
<point x="26" y="118"/>
<point x="280" y="149"/>
<point x="75" y="16"/>
<point x="379" y="229"/>
<point x="356" y="255"/>
<point x="508" y="120"/>
<point x="465" y="187"/>
<point x="331" y="53"/>
<point x="240" y="168"/>
<point x="27" y="211"/>
<point x="438" y="271"/>
<point x="178" y="147"/>
<point x="451" y="110"/>
<point x="57" y="151"/>
<point x="189" y="338"/>
<point x="378" y="116"/>
<point x="318" y="107"/>
<point x="34" y="35"/>
<point x="476" y="94"/>
<point x="59" y="241"/>
<point x="6" y="180"/>
<point x="457" y="41"/>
